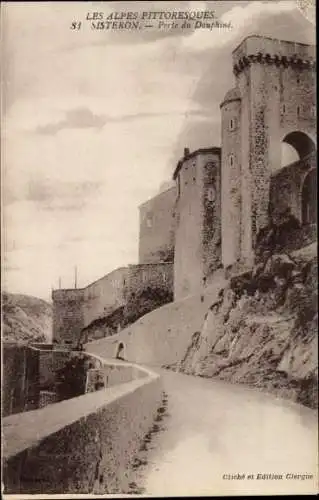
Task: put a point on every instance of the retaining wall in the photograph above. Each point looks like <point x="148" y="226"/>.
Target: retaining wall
<point x="82" y="445"/>
<point x="20" y="375"/>
<point x="49" y="363"/>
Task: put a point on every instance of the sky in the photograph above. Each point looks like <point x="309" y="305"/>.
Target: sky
<point x="94" y="121"/>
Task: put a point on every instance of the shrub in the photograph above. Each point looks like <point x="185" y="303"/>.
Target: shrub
<point x="145" y="301"/>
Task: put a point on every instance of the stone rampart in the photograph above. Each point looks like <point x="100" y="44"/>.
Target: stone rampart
<point x="81" y="445"/>
<point x="76" y="309"/>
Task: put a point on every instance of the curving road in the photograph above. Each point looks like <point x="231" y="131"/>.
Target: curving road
<point x="214" y="430"/>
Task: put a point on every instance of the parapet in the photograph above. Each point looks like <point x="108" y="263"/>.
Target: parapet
<point x="64" y="294"/>
<point x="266" y="50"/>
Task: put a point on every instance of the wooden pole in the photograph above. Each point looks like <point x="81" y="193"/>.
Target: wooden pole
<point x="75" y="277"/>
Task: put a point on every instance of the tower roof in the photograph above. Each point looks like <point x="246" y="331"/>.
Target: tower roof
<point x="231" y="95"/>
<point x="188" y="155"/>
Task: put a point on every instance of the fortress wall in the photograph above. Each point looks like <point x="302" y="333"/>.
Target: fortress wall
<point x="198" y="227"/>
<point x="20" y="387"/>
<point x="75" y="309"/>
<point x="157" y="228"/>
<point x="49" y="363"/>
<point x="104" y="295"/>
<point x="188" y="247"/>
<point x="150" y="275"/>
<point x="68" y="318"/>
<point x="286" y="187"/>
<point x="211" y="202"/>
<point x="265" y="45"/>
<point x="276" y="81"/>
<point x="82" y="445"/>
<point x="280" y="106"/>
<point x="245" y="236"/>
<point x="274" y="96"/>
<point x="231" y="182"/>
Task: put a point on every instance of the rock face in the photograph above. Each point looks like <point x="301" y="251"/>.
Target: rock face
<point x="26" y="319"/>
<point x="262" y="331"/>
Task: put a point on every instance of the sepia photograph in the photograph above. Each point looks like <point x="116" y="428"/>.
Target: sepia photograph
<point x="159" y="292"/>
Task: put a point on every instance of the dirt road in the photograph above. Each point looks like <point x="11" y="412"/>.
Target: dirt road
<point x="215" y="435"/>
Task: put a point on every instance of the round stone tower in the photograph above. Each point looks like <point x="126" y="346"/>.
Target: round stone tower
<point x="231" y="176"/>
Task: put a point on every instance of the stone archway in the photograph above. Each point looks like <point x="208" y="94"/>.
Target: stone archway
<point x="295" y="146"/>
<point x="309" y="198"/>
<point x="301" y="142"/>
<point x="289" y="189"/>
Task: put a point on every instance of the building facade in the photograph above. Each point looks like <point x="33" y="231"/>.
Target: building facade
<point x="273" y="102"/>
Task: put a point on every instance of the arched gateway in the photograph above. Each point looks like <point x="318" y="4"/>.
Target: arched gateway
<point x="274" y="103"/>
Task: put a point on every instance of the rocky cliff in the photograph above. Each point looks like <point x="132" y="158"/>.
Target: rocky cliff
<point x="262" y="330"/>
<point x="26" y="319"/>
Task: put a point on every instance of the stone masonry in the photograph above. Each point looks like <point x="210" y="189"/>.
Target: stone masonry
<point x="75" y="309"/>
<point x="198" y="223"/>
<point x="223" y="196"/>
<point x="273" y="101"/>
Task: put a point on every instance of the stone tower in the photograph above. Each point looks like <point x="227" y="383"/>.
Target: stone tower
<point x="198" y="220"/>
<point x="231" y="176"/>
<point x="273" y="102"/>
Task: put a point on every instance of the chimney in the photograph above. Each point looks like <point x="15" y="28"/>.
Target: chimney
<point x="186" y="152"/>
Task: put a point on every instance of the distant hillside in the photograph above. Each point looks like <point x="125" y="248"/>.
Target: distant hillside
<point x="26" y="318"/>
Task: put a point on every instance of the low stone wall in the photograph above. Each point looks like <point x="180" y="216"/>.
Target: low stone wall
<point x="49" y="363"/>
<point x="112" y="374"/>
<point x="20" y="388"/>
<point x="82" y="445"/>
<point x="120" y="374"/>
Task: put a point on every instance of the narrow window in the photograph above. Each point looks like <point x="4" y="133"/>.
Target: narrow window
<point x="149" y="221"/>
<point x="231" y="160"/>
<point x="298" y="110"/>
<point x="231" y="124"/>
<point x="283" y="108"/>
<point x="211" y="194"/>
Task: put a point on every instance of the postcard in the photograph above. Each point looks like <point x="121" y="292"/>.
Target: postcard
<point x="159" y="249"/>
